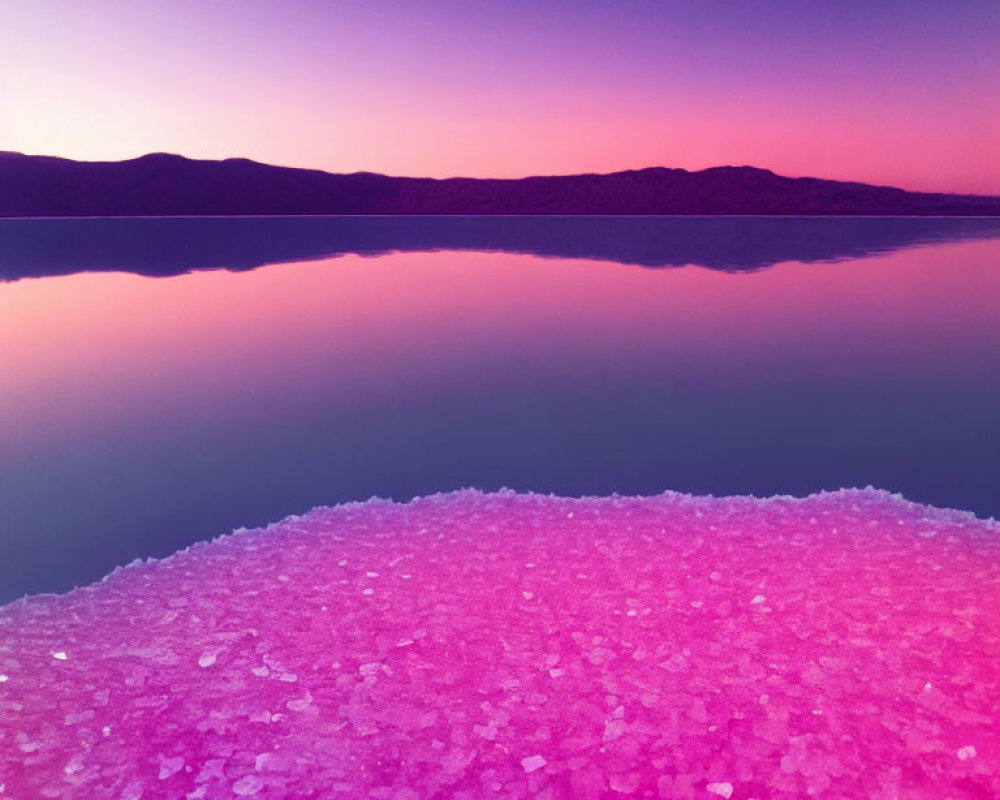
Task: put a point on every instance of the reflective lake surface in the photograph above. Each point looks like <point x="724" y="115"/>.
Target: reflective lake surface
<point x="274" y="365"/>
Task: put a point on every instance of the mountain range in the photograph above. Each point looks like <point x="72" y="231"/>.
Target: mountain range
<point x="161" y="184"/>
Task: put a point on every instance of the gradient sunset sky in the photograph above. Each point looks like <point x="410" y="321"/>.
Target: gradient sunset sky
<point x="904" y="93"/>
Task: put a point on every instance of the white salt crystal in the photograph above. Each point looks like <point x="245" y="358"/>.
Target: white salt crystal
<point x="531" y="763"/>
<point x="82" y="716"/>
<point x="724" y="789"/>
<point x="61" y="656"/>
<point x="527" y="595"/>
<point x="248" y="785"/>
<point x="368" y="592"/>
<point x="133" y="791"/>
<point x="301" y="704"/>
<point x="614" y="730"/>
<point x="486" y="731"/>
<point x="4" y="678"/>
<point x="757" y="599"/>
<point x="75" y="765"/>
<point x="170" y="766"/>
<point x="967" y="752"/>
<point x="206" y="659"/>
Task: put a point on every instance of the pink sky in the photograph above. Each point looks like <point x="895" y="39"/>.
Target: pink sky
<point x="901" y="93"/>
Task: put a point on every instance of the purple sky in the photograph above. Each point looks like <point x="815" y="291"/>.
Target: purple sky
<point x="905" y="93"/>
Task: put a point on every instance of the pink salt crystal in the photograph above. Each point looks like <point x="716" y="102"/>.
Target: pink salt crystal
<point x="531" y="763"/>
<point x="247" y="786"/>
<point x="253" y="666"/>
<point x="169" y="766"/>
<point x="723" y="789"/>
<point x="625" y="784"/>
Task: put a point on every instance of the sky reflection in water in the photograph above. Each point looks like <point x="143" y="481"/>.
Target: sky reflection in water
<point x="141" y="415"/>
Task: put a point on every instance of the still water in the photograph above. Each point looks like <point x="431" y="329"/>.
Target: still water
<point x="166" y="381"/>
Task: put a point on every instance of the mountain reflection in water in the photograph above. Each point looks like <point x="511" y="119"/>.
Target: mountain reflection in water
<point x="172" y="246"/>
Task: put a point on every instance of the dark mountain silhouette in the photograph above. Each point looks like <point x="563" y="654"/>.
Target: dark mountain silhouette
<point x="170" y="185"/>
<point x="172" y="246"/>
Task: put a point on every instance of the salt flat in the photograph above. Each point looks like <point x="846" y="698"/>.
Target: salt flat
<point x="506" y="645"/>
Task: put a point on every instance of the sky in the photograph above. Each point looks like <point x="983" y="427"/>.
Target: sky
<point x="904" y="93"/>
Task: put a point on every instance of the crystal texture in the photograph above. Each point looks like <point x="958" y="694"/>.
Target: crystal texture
<point x="474" y="645"/>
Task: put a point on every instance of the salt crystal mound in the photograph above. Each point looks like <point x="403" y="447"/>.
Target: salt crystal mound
<point x="502" y="645"/>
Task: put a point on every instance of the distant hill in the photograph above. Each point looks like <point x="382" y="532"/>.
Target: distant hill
<point x="170" y="185"/>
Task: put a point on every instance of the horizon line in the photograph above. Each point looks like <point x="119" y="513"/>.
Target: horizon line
<point x="508" y="216"/>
